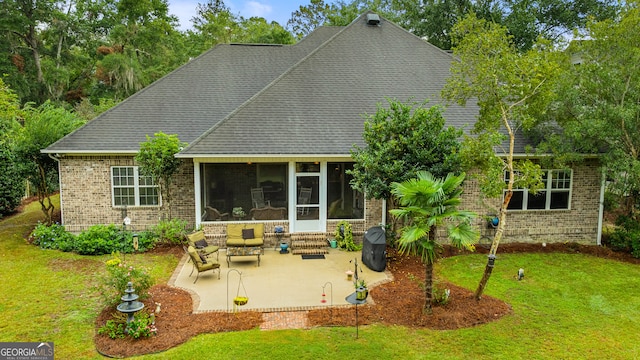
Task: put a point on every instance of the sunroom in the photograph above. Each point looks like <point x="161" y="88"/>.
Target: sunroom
<point x="302" y="195"/>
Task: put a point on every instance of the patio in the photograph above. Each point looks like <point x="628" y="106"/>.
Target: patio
<point x="282" y="282"/>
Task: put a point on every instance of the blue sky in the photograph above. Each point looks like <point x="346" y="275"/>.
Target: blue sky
<point x="272" y="10"/>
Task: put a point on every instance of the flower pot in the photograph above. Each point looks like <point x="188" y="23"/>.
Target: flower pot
<point x="362" y="293"/>
<point x="349" y="275"/>
<point x="240" y="300"/>
<point x="283" y="248"/>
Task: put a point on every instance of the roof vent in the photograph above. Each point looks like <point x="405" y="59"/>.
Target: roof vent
<point x="373" y="19"/>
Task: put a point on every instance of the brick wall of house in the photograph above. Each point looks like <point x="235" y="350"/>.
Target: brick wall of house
<point x="86" y="194"/>
<point x="579" y="224"/>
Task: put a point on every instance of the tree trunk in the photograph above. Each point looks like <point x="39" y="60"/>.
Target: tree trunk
<point x="503" y="217"/>
<point x="42" y="192"/>
<point x="485" y="278"/>
<point x="428" y="288"/>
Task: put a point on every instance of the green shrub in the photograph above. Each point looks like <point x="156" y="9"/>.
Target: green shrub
<point x="626" y="236"/>
<point x="142" y="325"/>
<point x="113" y="329"/>
<point x="112" y="285"/>
<point x="345" y="237"/>
<point x="171" y="231"/>
<point x="100" y="240"/>
<point x="146" y="241"/>
<point x="54" y="236"/>
<point x="11" y="184"/>
<point x="97" y="240"/>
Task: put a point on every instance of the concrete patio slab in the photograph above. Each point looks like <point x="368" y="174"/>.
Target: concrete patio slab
<point x="282" y="282"/>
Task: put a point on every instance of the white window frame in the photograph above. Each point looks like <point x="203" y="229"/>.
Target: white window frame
<point x="136" y="188"/>
<point x="548" y="189"/>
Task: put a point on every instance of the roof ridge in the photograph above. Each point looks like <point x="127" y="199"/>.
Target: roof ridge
<point x="275" y="81"/>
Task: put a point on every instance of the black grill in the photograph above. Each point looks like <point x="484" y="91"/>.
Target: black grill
<point x="374" y="249"/>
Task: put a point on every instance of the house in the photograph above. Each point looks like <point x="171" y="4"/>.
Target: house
<point x="272" y="126"/>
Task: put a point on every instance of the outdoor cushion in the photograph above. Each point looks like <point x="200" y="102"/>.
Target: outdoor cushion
<point x="247" y="234"/>
<point x="201" y="244"/>
<point x="234" y="235"/>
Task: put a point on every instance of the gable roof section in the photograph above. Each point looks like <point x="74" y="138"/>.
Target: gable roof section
<point x="316" y="106"/>
<point x="191" y="99"/>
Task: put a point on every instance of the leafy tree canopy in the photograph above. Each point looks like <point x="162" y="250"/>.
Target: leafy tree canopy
<point x="513" y="90"/>
<point x="157" y="160"/>
<point x="400" y="141"/>
<point x="598" y="106"/>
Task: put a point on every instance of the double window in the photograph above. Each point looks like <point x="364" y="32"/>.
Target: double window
<point x="129" y="188"/>
<point x="555" y="194"/>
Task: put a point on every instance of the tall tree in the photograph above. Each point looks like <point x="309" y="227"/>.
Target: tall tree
<point x="20" y="24"/>
<point x="426" y="203"/>
<point x="339" y="13"/>
<point x="157" y="160"/>
<point x="599" y="102"/>
<point x="400" y="141"/>
<point x="525" y="20"/>
<point x="11" y="184"/>
<point x="42" y="127"/>
<point x="308" y="17"/>
<point x="513" y="90"/>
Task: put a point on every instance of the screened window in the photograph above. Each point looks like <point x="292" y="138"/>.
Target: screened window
<point x="555" y="194"/>
<point x="129" y="188"/>
<point x="343" y="202"/>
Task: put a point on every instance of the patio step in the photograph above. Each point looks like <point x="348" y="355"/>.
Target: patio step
<point x="309" y="243"/>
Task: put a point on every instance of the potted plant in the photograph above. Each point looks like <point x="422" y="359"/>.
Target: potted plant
<point x="344" y="236"/>
<point x="361" y="290"/>
<point x="238" y="212"/>
<point x="240" y="300"/>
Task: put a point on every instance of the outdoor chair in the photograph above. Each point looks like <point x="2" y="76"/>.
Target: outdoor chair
<point x="257" y="198"/>
<point x="212" y="214"/>
<point x="268" y="213"/>
<point x="304" y="198"/>
<point x="201" y="263"/>
<point x="198" y="241"/>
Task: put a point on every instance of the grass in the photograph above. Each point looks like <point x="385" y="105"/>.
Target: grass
<point x="567" y="306"/>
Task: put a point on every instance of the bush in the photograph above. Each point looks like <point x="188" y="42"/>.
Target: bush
<point x="146" y="241"/>
<point x="97" y="240"/>
<point x="170" y="232"/>
<point x="54" y="236"/>
<point x="345" y="237"/>
<point x="100" y="240"/>
<point x="626" y="236"/>
<point x="114" y="282"/>
<point x="11" y="184"/>
<point x="142" y="325"/>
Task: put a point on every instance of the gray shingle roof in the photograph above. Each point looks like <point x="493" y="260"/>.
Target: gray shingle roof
<point x="307" y="98"/>
<point x="192" y="98"/>
<point x="316" y="107"/>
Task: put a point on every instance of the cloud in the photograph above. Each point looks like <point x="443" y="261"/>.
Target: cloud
<point x="254" y="8"/>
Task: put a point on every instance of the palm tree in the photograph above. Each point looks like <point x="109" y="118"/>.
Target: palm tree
<point x="426" y="203"/>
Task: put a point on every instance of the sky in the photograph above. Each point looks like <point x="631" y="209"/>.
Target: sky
<point x="272" y="10"/>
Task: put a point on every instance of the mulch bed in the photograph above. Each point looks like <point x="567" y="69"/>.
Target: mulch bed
<point x="399" y="302"/>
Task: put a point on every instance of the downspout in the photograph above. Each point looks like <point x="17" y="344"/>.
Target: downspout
<point x="197" y="193"/>
<point x="384" y="212"/>
<point x="56" y="158"/>
<point x="601" y="209"/>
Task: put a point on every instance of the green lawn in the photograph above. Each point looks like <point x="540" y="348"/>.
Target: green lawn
<point x="567" y="307"/>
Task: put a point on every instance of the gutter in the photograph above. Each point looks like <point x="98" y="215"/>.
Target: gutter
<point x="601" y="209"/>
